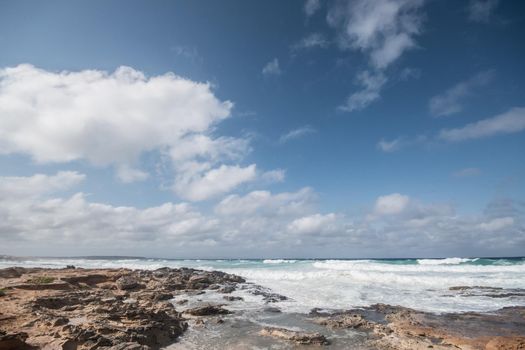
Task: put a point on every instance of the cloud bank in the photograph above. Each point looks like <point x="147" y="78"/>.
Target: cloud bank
<point x="39" y="216"/>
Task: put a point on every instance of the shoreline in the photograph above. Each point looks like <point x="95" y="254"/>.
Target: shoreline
<point x="76" y="308"/>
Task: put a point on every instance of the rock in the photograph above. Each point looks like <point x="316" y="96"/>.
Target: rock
<point x="226" y="289"/>
<point x="72" y="267"/>
<point x="89" y="279"/>
<point x="60" y="321"/>
<point x="275" y="310"/>
<point x="198" y="282"/>
<point x="12" y="272"/>
<point x="43" y="286"/>
<point x="127" y="346"/>
<point x="345" y="321"/>
<point x="267" y="295"/>
<point x="127" y="282"/>
<point x="302" y="338"/>
<point x="232" y="298"/>
<point x="207" y="310"/>
<point x="61" y="345"/>
<point x="14" y="341"/>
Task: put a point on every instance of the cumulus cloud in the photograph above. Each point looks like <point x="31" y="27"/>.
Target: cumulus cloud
<point x="264" y="202"/>
<point x="112" y="119"/>
<point x="509" y="122"/>
<point x="481" y="10"/>
<point x="497" y="224"/>
<point x="297" y="133"/>
<point x="311" y="7"/>
<point x="272" y="68"/>
<point x="391" y="204"/>
<point x="38" y="184"/>
<point x="316" y="223"/>
<point x="38" y="215"/>
<point x="452" y="101"/>
<point x="371" y="85"/>
<point x="199" y="183"/>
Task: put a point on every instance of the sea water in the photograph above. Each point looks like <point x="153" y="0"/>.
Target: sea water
<point x="423" y="284"/>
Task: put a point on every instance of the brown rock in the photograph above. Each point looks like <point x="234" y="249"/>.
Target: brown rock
<point x="208" y="310"/>
<point x="302" y="338"/>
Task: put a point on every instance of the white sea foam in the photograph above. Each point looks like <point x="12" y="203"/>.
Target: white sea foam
<point x="278" y="261"/>
<point x="447" y="261"/>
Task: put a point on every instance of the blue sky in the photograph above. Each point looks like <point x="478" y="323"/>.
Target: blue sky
<point x="382" y="128"/>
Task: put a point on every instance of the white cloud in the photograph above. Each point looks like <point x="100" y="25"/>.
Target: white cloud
<point x="36" y="219"/>
<point x="104" y="118"/>
<point x="391" y="204"/>
<point x="452" y="100"/>
<point x="276" y="175"/>
<point x="497" y="224"/>
<point x="511" y="121"/>
<point x="371" y="83"/>
<point x="128" y="174"/>
<point x="467" y="172"/>
<point x="316" y="223"/>
<point x="115" y="118"/>
<point x="38" y="184"/>
<point x="481" y="10"/>
<point x="311" y="7"/>
<point x="297" y="133"/>
<point x="311" y="41"/>
<point x="285" y="203"/>
<point x="199" y="183"/>
<point x="272" y="68"/>
<point x="389" y="146"/>
<point x="383" y="28"/>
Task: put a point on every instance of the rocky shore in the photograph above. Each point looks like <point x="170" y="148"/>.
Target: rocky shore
<point x="123" y="309"/>
<point x="98" y="309"/>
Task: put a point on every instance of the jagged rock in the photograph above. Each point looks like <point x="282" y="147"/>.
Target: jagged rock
<point x="268" y="296"/>
<point x="127" y="282"/>
<point x="226" y="289"/>
<point x="89" y="279"/>
<point x="14" y="341"/>
<point x="126" y="346"/>
<point x="61" y="345"/>
<point x="198" y="282"/>
<point x="352" y="320"/>
<point x="302" y="338"/>
<point x="208" y="310"/>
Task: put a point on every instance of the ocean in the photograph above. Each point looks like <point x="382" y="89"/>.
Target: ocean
<point x="434" y="285"/>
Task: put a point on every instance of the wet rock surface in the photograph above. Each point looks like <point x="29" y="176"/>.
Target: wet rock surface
<point x="395" y="327"/>
<point x="115" y="309"/>
<point x="302" y="338"/>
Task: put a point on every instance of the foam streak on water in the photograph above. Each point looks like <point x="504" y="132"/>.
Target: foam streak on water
<point x="341" y="284"/>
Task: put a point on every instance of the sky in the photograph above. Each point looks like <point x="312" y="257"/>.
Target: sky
<point x="262" y="129"/>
